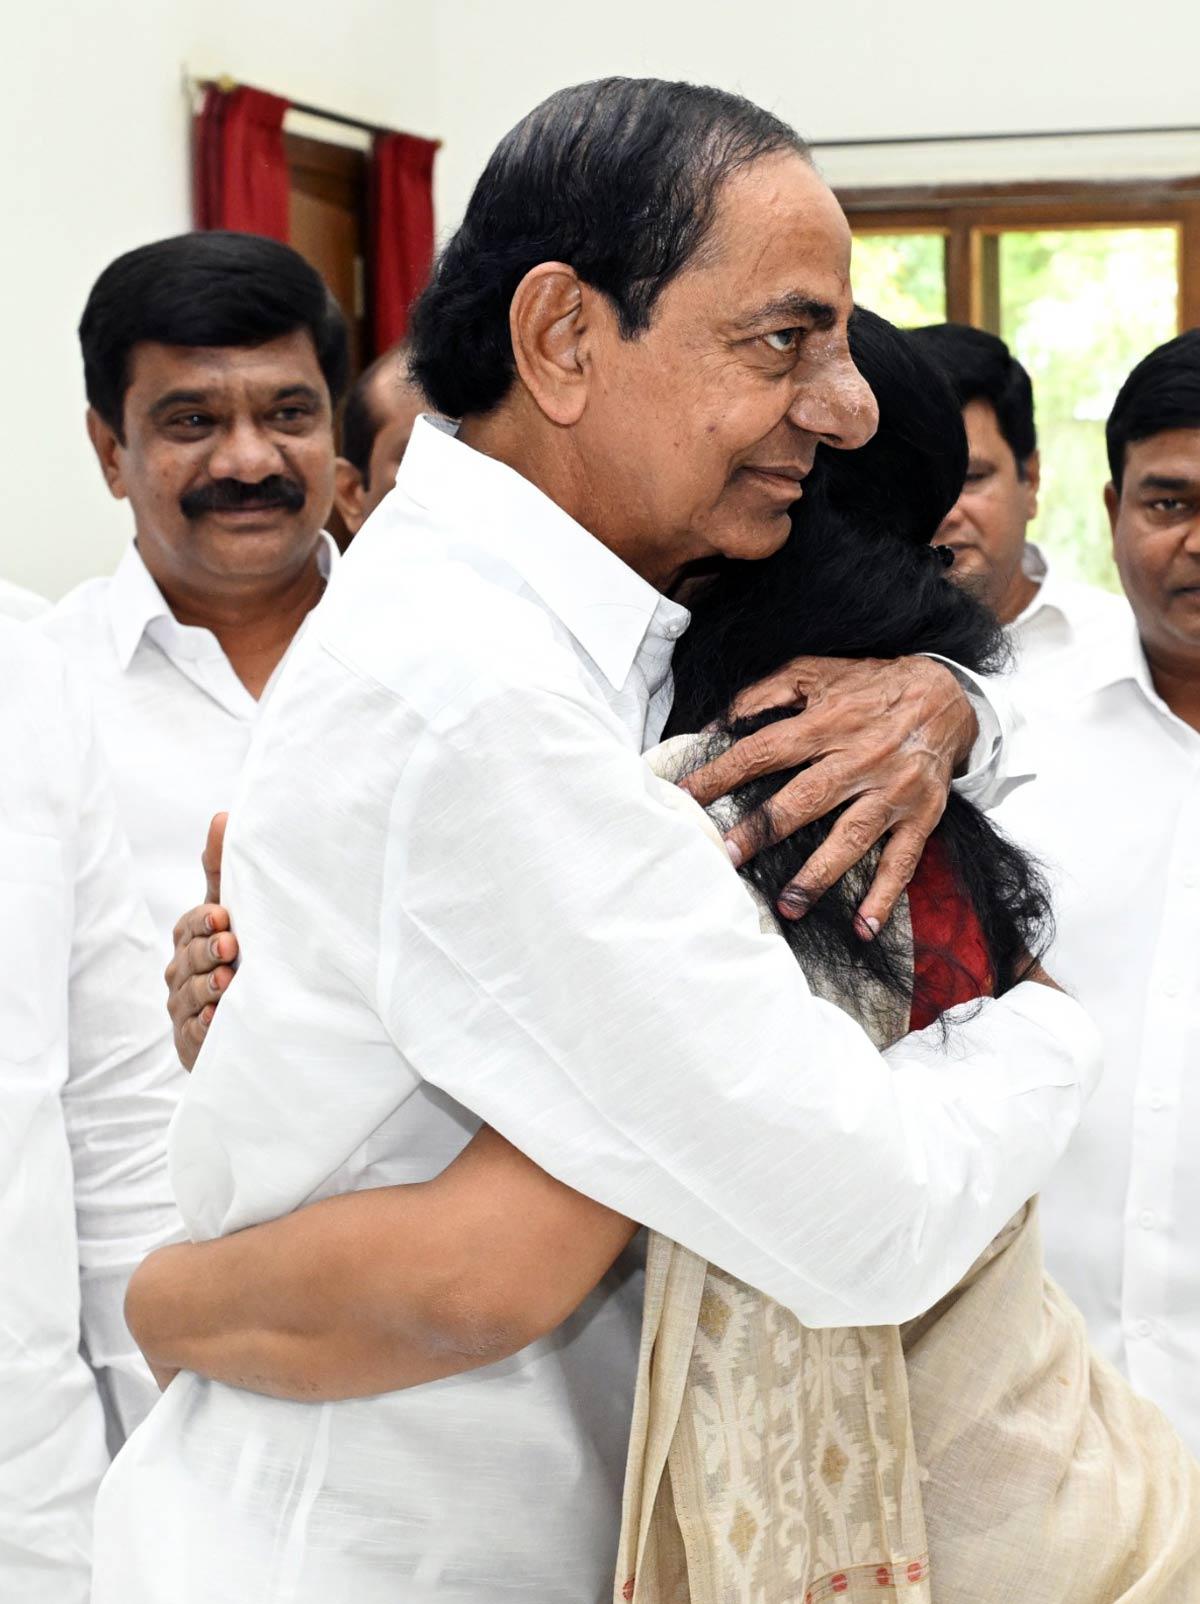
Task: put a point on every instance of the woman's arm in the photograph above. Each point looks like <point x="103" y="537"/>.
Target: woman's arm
<point x="374" y="1291"/>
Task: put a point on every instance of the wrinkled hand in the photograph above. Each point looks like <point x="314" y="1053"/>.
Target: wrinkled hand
<point x="205" y="949"/>
<point x="883" y="736"/>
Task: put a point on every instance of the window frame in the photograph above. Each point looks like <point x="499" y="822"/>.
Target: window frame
<point x="970" y="217"/>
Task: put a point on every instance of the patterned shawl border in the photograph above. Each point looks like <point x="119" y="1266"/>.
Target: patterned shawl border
<point x="866" y="1581"/>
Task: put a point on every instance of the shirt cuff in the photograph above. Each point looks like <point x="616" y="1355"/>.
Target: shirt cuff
<point x="988" y="779"/>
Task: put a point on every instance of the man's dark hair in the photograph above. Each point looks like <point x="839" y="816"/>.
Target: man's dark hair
<point x="1162" y="392"/>
<point x="212" y="288"/>
<point x="361" y="421"/>
<point x="980" y="367"/>
<point x="619" y="179"/>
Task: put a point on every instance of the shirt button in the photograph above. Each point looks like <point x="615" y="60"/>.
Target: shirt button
<point x="1141" y="1328"/>
<point x="1190" y="877"/>
<point x="1171" y="989"/>
<point x="1147" y="1219"/>
<point x="1157" y="1101"/>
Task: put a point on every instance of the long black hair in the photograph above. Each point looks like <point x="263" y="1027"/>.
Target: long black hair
<point x="858" y="578"/>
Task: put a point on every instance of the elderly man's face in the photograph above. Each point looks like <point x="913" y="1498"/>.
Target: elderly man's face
<point x="227" y="461"/>
<point x="1156" y="542"/>
<point x="700" y="431"/>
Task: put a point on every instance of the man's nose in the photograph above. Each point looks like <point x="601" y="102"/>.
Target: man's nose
<point x="951" y="523"/>
<point x="838" y="406"/>
<point x="245" y="452"/>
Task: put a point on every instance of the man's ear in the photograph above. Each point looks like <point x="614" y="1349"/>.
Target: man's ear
<point x="107" y="448"/>
<point x="349" y="495"/>
<point x="1033" y="482"/>
<point x="1112" y="505"/>
<point x="550" y="323"/>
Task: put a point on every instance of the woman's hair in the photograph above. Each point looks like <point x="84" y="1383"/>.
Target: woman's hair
<point x="858" y="578"/>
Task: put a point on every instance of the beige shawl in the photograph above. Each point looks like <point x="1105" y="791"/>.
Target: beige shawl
<point x="979" y="1455"/>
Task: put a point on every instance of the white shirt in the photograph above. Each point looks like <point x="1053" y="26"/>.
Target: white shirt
<point x="1115" y="814"/>
<point x="88" y="1081"/>
<point x="16" y="602"/>
<point x="461" y="894"/>
<point x="174" y="718"/>
<point x="1065" y="616"/>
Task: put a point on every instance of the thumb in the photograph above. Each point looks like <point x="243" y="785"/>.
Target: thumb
<point x="211" y="858"/>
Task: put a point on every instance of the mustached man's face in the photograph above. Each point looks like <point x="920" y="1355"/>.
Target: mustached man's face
<point x="699" y="432"/>
<point x="227" y="462"/>
<point x="1156" y="542"/>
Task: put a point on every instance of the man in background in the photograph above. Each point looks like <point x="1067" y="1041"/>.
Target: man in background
<point x="381" y="408"/>
<point x="1115" y="815"/>
<point x="88" y="1083"/>
<point x="213" y="364"/>
<point x="987" y="528"/>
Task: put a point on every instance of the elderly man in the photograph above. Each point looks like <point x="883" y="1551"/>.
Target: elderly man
<point x="377" y="422"/>
<point x="88" y="1082"/>
<point x="213" y="365"/>
<point x="987" y="528"/>
<point x="460" y="897"/>
<point x="1115" y="812"/>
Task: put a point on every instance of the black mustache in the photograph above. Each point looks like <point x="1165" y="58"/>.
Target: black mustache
<point x="232" y="495"/>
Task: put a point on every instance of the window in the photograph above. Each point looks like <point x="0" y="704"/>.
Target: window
<point x="1080" y="285"/>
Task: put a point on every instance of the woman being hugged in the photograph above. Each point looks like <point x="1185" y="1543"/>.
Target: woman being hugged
<point x="981" y="1453"/>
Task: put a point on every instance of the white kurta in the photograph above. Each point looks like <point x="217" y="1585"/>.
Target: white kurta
<point x="88" y="1081"/>
<point x="1115" y="814"/>
<point x="461" y="894"/>
<point x="16" y="602"/>
<point x="1065" y="617"/>
<point x="174" y="719"/>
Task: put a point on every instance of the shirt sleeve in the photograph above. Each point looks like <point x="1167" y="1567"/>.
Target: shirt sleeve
<point x="565" y="954"/>
<point x="123" y="1083"/>
<point x="990" y="774"/>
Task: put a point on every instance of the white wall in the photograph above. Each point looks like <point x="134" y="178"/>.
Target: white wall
<point x="93" y="125"/>
<point x="843" y="69"/>
<point x="94" y="134"/>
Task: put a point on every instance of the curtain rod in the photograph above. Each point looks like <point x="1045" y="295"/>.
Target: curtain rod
<point x="974" y="139"/>
<point x="227" y="85"/>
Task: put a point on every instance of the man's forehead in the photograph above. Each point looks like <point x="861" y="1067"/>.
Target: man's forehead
<point x="391" y="393"/>
<point x="982" y="424"/>
<point x="289" y="358"/>
<point x="780" y="234"/>
<point x="1172" y="455"/>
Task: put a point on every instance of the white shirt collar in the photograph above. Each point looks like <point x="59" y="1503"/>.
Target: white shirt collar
<point x="1036" y="566"/>
<point x="609" y="609"/>
<point x="135" y="601"/>
<point x="1118" y="659"/>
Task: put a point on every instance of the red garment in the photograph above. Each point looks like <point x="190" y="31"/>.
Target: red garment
<point x="241" y="178"/>
<point x="401" y="219"/>
<point x="950" y="956"/>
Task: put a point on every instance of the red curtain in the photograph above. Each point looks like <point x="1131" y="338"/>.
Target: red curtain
<point x="241" y="179"/>
<point x="401" y="210"/>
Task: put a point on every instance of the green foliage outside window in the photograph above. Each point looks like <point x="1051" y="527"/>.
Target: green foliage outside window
<point x="901" y="276"/>
<point x="1079" y="307"/>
